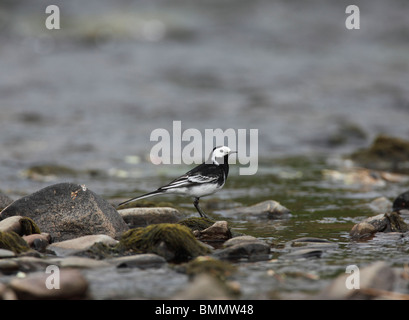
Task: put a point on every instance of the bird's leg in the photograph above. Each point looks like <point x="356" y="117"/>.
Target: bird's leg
<point x="196" y="204"/>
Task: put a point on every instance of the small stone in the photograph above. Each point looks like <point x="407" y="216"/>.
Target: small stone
<point x="38" y="241"/>
<point x="239" y="240"/>
<point x="253" y="251"/>
<point x="381" y="205"/>
<point x="303" y="254"/>
<point x="313" y="243"/>
<point x="11" y="224"/>
<point x="219" y="231"/>
<point x="74" y="246"/>
<point x="378" y="276"/>
<point x="4" y="253"/>
<point x="269" y="209"/>
<point x="78" y="263"/>
<point x="142" y="217"/>
<point x="388" y="222"/>
<point x="72" y="285"/>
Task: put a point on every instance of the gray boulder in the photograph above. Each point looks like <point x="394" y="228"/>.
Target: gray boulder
<point x="68" y="211"/>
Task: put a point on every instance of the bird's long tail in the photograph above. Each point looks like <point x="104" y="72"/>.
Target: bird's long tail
<point x="146" y="195"/>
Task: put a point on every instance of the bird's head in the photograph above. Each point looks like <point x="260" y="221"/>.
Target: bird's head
<point x="220" y="153"/>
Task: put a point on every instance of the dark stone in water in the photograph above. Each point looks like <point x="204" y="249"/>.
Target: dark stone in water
<point x="68" y="211"/>
<point x="303" y="254"/>
<point x="385" y="153"/>
<point x="401" y="202"/>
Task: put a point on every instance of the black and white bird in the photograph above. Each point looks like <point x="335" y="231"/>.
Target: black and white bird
<point x="203" y="180"/>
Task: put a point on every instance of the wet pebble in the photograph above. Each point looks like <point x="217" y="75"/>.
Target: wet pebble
<point x="388" y="222"/>
<point x="268" y="209"/>
<point x="303" y="254"/>
<point x="72" y="285"/>
<point x="78" y="263"/>
<point x="37" y="241"/>
<point x="244" y="249"/>
<point x="381" y="205"/>
<point x="142" y="261"/>
<point x="375" y="277"/>
<point x="219" y="231"/>
<point x="74" y="246"/>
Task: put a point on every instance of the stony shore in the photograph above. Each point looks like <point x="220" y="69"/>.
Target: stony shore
<point x="98" y="252"/>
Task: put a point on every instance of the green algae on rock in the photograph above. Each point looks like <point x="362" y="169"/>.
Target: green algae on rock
<point x="197" y="223"/>
<point x="172" y="241"/>
<point x="10" y="240"/>
<point x="28" y="226"/>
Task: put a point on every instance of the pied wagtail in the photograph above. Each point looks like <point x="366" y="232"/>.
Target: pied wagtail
<point x="203" y="180"/>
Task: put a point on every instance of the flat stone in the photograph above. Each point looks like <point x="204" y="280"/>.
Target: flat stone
<point x="268" y="209"/>
<point x="388" y="222"/>
<point x="72" y="285"/>
<point x="4" y="253"/>
<point x="256" y="250"/>
<point x="142" y="217"/>
<point x="303" y="254"/>
<point x="78" y="262"/>
<point x="239" y="240"/>
<point x="219" y="231"/>
<point x="11" y="224"/>
<point x="73" y="246"/>
<point x="142" y="261"/>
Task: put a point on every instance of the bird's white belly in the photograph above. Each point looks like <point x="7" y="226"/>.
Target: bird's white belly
<point x="198" y="191"/>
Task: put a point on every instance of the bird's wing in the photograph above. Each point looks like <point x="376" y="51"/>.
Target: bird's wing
<point x="189" y="180"/>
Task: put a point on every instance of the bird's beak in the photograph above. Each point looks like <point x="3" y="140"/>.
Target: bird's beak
<point x="231" y="152"/>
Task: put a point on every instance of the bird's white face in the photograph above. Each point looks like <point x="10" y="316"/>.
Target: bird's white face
<point x="220" y="152"/>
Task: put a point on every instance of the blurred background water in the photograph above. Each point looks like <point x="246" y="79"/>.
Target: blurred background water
<point x="88" y="96"/>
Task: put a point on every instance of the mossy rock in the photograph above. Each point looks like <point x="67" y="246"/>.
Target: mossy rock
<point x="196" y="223"/>
<point x="174" y="242"/>
<point x="385" y="153"/>
<point x="10" y="240"/>
<point x="28" y="226"/>
<point x="215" y="267"/>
